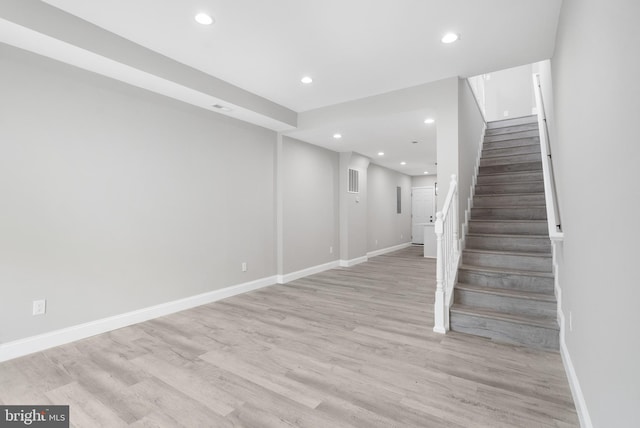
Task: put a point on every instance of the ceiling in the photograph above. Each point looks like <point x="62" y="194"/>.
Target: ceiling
<point x="351" y="48"/>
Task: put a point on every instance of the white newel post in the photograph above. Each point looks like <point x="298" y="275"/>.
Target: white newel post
<point x="438" y="309"/>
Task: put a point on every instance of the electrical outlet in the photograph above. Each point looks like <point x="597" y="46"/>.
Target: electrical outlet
<point x="244" y="266"/>
<point x="401" y="236"/>
<point x="39" y="307"/>
<point x="330" y="250"/>
<point x="376" y="242"/>
<point x="506" y="113"/>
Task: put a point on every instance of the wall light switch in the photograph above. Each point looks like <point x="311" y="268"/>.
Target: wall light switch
<point x="244" y="266"/>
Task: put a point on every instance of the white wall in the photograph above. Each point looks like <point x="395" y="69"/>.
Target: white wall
<point x="447" y="144"/>
<point x="423" y="180"/>
<point x="353" y="208"/>
<point x="310" y="196"/>
<point x="508" y="90"/>
<point x="387" y="228"/>
<point x="114" y="199"/>
<point x="595" y="73"/>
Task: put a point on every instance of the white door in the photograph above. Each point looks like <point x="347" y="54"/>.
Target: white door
<point x="422" y="211"/>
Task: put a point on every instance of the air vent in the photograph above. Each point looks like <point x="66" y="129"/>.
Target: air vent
<point x="354" y="183"/>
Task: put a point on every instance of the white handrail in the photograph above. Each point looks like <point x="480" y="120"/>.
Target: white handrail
<point x="448" y="255"/>
<point x="550" y="194"/>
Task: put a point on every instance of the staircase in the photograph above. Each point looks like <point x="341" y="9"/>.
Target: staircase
<point x="505" y="283"/>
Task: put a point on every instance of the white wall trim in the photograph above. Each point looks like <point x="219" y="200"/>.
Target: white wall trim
<point x="29" y="345"/>
<point x="283" y="279"/>
<point x="353" y="262"/>
<point x="388" y="250"/>
<point x="574" y="384"/>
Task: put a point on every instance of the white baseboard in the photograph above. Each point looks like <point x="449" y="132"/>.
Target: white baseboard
<point x="388" y="250"/>
<point x="574" y="384"/>
<point x="353" y="262"/>
<point x="283" y="279"/>
<point x="29" y="345"/>
<point x="572" y="377"/>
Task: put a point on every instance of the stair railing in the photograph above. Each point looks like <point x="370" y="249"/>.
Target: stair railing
<point x="550" y="194"/>
<point x="448" y="256"/>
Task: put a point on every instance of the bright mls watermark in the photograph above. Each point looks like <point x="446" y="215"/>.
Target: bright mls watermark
<point x="34" y="416"/>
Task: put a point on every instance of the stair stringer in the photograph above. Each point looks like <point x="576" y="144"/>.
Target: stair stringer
<point x="467" y="212"/>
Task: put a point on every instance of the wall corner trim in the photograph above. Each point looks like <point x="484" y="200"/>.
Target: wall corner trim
<point x="283" y="279"/>
<point x="29" y="345"/>
<point x="388" y="250"/>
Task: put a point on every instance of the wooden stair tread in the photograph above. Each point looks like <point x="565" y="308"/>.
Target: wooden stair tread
<point x="538" y="321"/>
<point x="507" y="292"/>
<point x="500" y="271"/>
<point x="506" y="252"/>
<point x="507" y="235"/>
<point x="519" y="207"/>
<point x="490" y="195"/>
<point x="509" y="221"/>
<point x="528" y="118"/>
<point x="506" y="173"/>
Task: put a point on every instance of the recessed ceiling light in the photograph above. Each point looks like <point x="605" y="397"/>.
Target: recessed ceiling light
<point x="380" y="153"/>
<point x="204" y="19"/>
<point x="403" y="163"/>
<point x="306" y="80"/>
<point x="429" y="120"/>
<point x="450" y="37"/>
<point x="426" y="172"/>
<point x="337" y="136"/>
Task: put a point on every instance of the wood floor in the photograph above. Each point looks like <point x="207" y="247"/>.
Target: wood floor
<point x="349" y="347"/>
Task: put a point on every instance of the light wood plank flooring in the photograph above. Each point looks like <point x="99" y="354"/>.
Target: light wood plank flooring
<point x="345" y="348"/>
